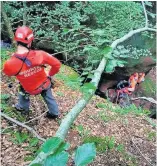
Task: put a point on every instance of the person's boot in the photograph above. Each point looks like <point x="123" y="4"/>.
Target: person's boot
<point x="21" y="110"/>
<point x="50" y="116"/>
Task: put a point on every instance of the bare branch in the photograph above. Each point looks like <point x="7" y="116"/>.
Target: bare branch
<point x="145" y="13"/>
<point x="146" y="98"/>
<point x="152" y="29"/>
<point x="22" y="125"/>
<point x="38" y="117"/>
<point x="24" y="13"/>
<point x="131" y="33"/>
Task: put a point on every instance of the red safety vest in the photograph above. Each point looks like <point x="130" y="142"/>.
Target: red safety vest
<point x="32" y="77"/>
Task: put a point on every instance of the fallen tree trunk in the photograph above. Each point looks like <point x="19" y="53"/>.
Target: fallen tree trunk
<point x="72" y="115"/>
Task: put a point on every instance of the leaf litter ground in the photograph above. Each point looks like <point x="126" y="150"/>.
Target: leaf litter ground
<point x="123" y="128"/>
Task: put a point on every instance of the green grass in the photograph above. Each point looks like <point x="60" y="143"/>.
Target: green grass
<point x="123" y="111"/>
<point x="151" y="136"/>
<point x="101" y="143"/>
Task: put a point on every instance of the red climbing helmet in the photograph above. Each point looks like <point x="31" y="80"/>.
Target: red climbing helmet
<point x="24" y="34"/>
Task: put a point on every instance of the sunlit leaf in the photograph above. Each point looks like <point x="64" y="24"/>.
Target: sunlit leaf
<point x="51" y="145"/>
<point x="59" y="159"/>
<point x="85" y="154"/>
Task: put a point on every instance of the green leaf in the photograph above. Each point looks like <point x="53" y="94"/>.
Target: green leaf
<point x="147" y="3"/>
<point x="51" y="145"/>
<point x="90" y="76"/>
<point x="65" y="30"/>
<point x="85" y="154"/>
<point x="99" y="32"/>
<point x="111" y="143"/>
<point x="62" y="147"/>
<point x="20" y="137"/>
<point x="85" y="73"/>
<point x="57" y="160"/>
<point x="36" y="164"/>
<point x="5" y="96"/>
<point x="110" y="66"/>
<point x="107" y="50"/>
<point x="33" y="142"/>
<point x="28" y="158"/>
<point x="87" y="86"/>
<point x="121" y="63"/>
<point x="80" y="128"/>
<point x="120" y="148"/>
<point x="88" y="68"/>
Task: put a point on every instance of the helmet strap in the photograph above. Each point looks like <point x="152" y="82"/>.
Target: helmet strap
<point x="24" y="45"/>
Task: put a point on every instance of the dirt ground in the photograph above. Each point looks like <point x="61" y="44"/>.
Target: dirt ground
<point x="129" y="130"/>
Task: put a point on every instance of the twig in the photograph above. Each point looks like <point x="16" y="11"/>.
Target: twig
<point x="23" y="125"/>
<point x="146" y="98"/>
<point x="26" y="121"/>
<point x="145" y="13"/>
<point x="38" y="117"/>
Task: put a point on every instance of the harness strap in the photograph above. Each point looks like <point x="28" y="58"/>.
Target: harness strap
<point x="23" y="60"/>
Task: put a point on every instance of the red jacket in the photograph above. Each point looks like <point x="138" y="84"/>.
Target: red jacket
<point x="33" y="78"/>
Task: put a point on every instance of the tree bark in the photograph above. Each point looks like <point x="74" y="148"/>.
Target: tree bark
<point x="24" y="13"/>
<point x="8" y="25"/>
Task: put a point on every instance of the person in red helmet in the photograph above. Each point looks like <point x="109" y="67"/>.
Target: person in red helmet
<point x="28" y="67"/>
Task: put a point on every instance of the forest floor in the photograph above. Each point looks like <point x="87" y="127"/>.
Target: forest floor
<point x="134" y="134"/>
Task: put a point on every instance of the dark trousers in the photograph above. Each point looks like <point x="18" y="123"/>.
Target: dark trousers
<point x="24" y="101"/>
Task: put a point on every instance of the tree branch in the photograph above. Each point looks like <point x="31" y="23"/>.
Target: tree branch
<point x="24" y="13"/>
<point x="131" y="33"/>
<point x="26" y="121"/>
<point x="145" y="13"/>
<point x="22" y="125"/>
<point x="146" y="98"/>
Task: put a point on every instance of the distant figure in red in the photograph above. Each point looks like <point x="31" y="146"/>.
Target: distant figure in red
<point x="127" y="87"/>
<point x="28" y="67"/>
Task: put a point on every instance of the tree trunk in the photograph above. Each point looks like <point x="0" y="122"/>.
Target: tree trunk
<point x="8" y="25"/>
<point x="24" y="13"/>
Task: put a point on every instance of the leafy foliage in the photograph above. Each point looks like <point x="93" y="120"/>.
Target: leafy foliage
<point x="82" y="131"/>
<point x="79" y="29"/>
<point x="85" y="154"/>
<point x="19" y="137"/>
<point x="123" y="111"/>
<point x="5" y="52"/>
<point x="102" y="143"/>
<point x="55" y="151"/>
